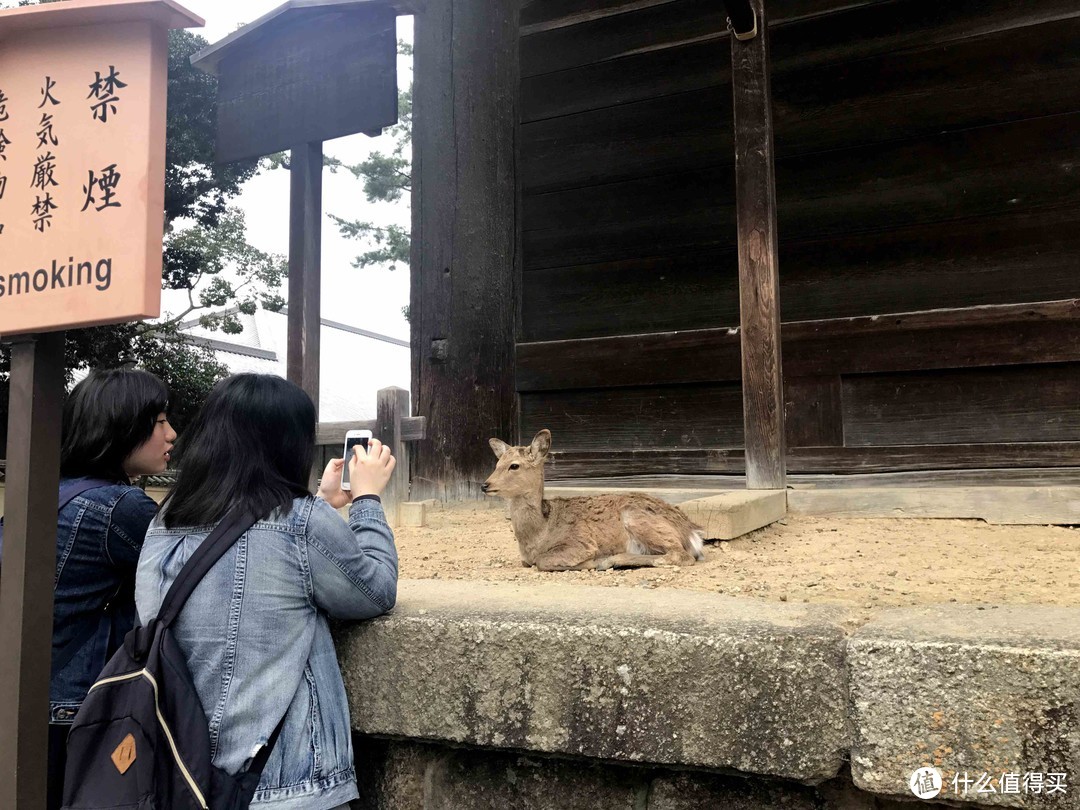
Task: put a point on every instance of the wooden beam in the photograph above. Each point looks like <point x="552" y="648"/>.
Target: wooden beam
<point x="26" y="590"/>
<point x="465" y="257"/>
<point x="759" y="274"/>
<point x="1006" y="334"/>
<point x="413" y="429"/>
<point x="392" y="406"/>
<point x="840" y="461"/>
<point x="305" y="267"/>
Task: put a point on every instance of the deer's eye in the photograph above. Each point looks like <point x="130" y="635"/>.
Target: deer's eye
<point x="515" y="466"/>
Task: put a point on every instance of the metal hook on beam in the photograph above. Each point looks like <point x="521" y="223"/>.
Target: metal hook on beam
<point x="742" y="19"/>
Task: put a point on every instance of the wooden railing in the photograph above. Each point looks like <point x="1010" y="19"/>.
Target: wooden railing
<point x="394" y="427"/>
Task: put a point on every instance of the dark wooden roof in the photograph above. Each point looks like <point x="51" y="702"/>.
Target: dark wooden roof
<point x="209" y="58"/>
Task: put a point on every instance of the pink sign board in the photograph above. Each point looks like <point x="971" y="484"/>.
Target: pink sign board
<point x="82" y="161"/>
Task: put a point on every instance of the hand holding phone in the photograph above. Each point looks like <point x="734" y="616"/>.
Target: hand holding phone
<point x="354" y="438"/>
<point x="370" y="468"/>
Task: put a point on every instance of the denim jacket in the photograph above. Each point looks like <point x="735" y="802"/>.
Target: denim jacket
<point x="256" y="637"/>
<point x="98" y="538"/>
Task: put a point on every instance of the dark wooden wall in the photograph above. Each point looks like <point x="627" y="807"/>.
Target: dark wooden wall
<point x="928" y="177"/>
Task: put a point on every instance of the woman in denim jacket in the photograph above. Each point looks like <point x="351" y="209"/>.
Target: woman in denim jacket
<point x="114" y="429"/>
<point x="255" y="631"/>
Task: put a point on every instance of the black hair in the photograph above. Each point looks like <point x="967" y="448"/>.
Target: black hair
<point x="250" y="446"/>
<point x="107" y="416"/>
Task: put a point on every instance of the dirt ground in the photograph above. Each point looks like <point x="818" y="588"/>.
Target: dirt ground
<point x="863" y="564"/>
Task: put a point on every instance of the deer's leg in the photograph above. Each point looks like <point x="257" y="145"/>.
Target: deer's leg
<point x="555" y="564"/>
<point x="652" y="533"/>
<point x="629" y="561"/>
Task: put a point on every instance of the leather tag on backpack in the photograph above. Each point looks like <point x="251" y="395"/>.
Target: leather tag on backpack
<point x="124" y="754"/>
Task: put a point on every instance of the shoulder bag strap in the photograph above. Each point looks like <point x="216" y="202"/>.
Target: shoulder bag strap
<point x="213" y="548"/>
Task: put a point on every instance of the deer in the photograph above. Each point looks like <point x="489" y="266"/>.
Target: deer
<point x="596" y="532"/>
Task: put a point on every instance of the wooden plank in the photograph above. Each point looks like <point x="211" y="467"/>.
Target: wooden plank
<point x="1023" y="166"/>
<point x="545" y="15"/>
<point x="976" y="262"/>
<point x="813" y="410"/>
<point x="1014" y="334"/>
<point x="305" y="268"/>
<point x="283" y="90"/>
<point x="995" y="505"/>
<point x="837" y="31"/>
<point x="644" y="76"/>
<point x="847" y="463"/>
<point x="695" y="485"/>
<point x="1023" y="403"/>
<point x="465" y="252"/>
<point x="392" y="406"/>
<point x="671" y="417"/>
<point x="650" y="28"/>
<point x="413" y="429"/>
<point x="890" y="97"/>
<point x="29" y="569"/>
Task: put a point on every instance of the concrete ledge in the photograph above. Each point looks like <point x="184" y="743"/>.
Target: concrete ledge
<point x="735" y="513"/>
<point x="666" y="677"/>
<point x="969" y="691"/>
<point x="676" y="495"/>
<point x="1003" y="505"/>
<point x="413" y="513"/>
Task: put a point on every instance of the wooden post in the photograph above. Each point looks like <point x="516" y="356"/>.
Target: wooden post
<point x="29" y="566"/>
<point x="465" y="262"/>
<point x="759" y="277"/>
<point x="392" y="406"/>
<point x="305" y="245"/>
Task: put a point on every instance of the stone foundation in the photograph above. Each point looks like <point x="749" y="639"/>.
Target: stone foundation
<point x="509" y="696"/>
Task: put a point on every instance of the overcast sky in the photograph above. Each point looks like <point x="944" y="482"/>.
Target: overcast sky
<point x="347" y="292"/>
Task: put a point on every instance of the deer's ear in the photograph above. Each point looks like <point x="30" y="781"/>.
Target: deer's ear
<point x="541" y="444"/>
<point x="498" y="447"/>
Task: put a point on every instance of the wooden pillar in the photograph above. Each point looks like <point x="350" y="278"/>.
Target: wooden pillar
<point x="305" y="267"/>
<point x="392" y="406"/>
<point x="759" y="277"/>
<point x="465" y="265"/>
<point x="29" y="566"/>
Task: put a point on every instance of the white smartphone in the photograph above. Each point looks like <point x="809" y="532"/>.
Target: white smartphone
<point x="352" y="438"/>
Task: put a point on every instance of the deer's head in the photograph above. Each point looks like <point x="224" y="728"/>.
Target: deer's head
<point x="520" y="470"/>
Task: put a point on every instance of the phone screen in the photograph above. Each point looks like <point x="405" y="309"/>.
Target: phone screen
<point x="349" y="445"/>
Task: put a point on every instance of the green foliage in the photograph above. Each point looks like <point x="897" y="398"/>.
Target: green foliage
<point x="386" y="178"/>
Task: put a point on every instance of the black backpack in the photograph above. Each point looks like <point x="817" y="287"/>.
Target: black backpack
<point x="141" y="740"/>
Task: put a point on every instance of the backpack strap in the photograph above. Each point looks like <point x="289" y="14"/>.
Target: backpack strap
<point x="213" y="548"/>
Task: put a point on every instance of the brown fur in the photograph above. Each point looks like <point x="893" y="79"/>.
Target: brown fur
<point x="600" y="531"/>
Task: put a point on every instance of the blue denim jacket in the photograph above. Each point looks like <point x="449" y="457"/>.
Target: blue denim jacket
<point x="98" y="538"/>
<point x="256" y="637"/>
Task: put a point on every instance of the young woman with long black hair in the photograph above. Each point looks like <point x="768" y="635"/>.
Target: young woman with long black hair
<point x="255" y="630"/>
<point x="114" y="430"/>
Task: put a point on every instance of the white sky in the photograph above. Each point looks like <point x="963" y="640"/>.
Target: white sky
<point x="370" y="298"/>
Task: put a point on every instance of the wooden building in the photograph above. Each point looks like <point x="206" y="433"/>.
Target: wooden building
<point x="575" y="260"/>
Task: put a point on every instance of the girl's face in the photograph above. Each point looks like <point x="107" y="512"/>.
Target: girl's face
<point x="152" y="456"/>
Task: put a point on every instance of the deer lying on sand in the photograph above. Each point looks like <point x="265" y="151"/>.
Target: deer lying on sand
<point x="596" y="532"/>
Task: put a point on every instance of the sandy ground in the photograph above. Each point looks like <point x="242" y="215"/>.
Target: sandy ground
<point x="864" y="564"/>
